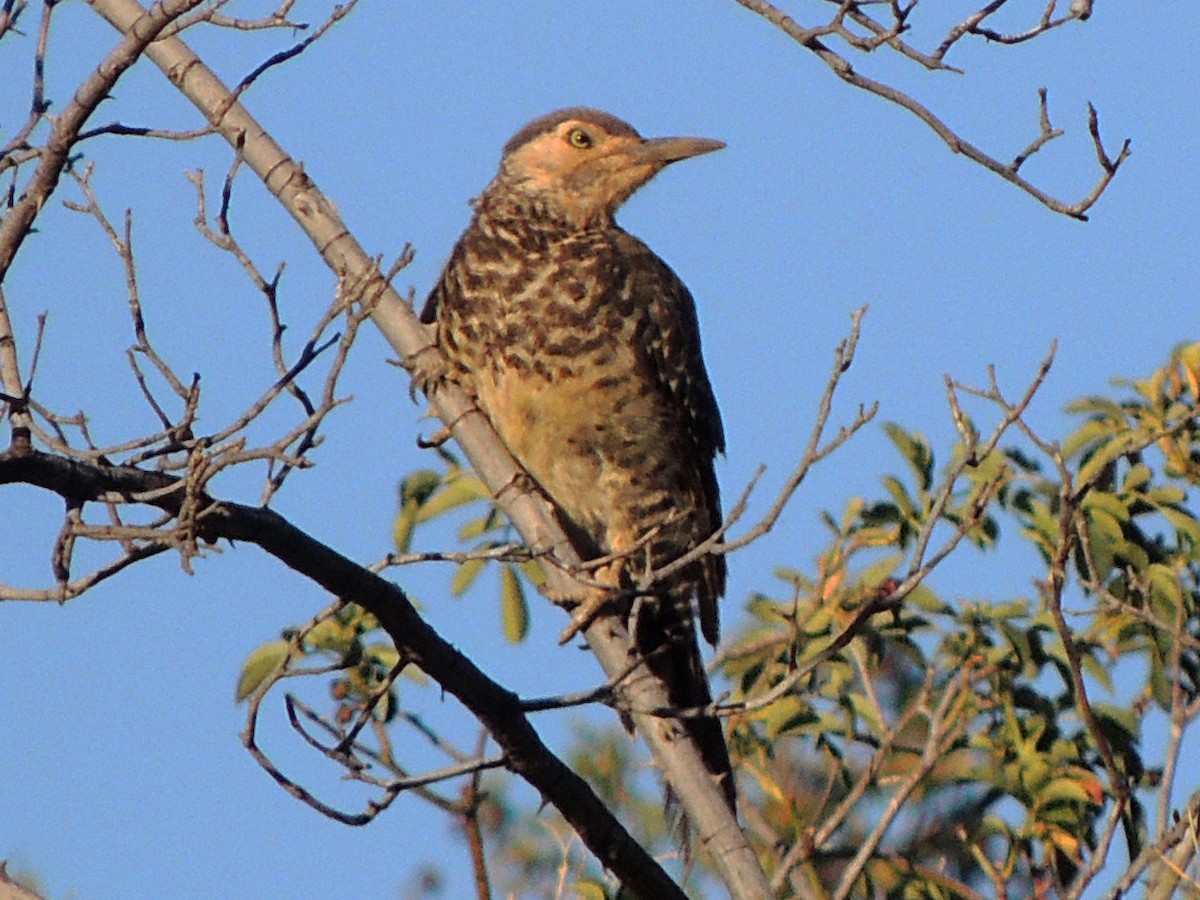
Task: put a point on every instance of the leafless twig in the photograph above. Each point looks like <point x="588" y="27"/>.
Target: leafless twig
<point x="889" y="35"/>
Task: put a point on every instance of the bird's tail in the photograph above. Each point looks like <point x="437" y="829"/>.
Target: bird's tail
<point x="666" y="639"/>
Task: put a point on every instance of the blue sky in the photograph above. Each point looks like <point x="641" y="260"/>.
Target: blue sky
<point x="123" y="774"/>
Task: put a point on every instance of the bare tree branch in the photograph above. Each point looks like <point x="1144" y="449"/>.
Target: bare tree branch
<point x="496" y="708"/>
<point x="533" y="516"/>
<point x="889" y="35"/>
<point x="143" y="27"/>
<point x="1180" y="844"/>
<point x="10" y="889"/>
<point x="944" y="727"/>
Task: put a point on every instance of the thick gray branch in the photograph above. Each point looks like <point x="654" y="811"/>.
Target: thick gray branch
<point x="533" y="517"/>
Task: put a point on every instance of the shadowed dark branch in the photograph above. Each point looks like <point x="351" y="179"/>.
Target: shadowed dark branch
<point x="498" y="709"/>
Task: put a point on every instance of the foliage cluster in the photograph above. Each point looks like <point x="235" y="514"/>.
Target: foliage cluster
<point x="895" y="741"/>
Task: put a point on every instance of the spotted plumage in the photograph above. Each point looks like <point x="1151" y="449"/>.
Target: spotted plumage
<point x="583" y="349"/>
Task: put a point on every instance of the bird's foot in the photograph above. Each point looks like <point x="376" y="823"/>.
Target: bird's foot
<point x="523" y="483"/>
<point x="584" y="614"/>
<point x="590" y="602"/>
<point x="428" y="368"/>
<point x="436" y="439"/>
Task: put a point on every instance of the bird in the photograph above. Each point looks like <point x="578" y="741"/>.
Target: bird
<point x="582" y="348"/>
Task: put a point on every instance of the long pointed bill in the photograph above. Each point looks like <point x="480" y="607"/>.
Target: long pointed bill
<point x="672" y="149"/>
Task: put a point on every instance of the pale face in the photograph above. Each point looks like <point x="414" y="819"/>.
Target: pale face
<point x="588" y="171"/>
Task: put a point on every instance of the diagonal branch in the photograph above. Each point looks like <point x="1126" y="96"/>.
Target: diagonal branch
<point x="143" y="27"/>
<point x="496" y="707"/>
<point x="677" y="754"/>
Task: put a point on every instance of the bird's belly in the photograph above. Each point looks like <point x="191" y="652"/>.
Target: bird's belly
<point x="581" y="442"/>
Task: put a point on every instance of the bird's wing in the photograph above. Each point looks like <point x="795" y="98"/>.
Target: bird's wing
<point x="674" y="357"/>
<point x="675" y="354"/>
<point x="429" y="312"/>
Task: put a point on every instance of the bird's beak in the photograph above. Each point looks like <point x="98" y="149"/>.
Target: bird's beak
<point x="611" y="178"/>
<point x="662" y="151"/>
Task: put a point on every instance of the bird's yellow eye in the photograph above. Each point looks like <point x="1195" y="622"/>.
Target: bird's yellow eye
<point x="579" y="139"/>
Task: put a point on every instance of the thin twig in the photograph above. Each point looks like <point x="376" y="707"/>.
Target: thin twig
<point x="810" y="39"/>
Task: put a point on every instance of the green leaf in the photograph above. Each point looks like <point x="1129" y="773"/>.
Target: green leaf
<point x="1119" y="718"/>
<point x="926" y="600"/>
<point x="785" y="715"/>
<point x="1091" y="472"/>
<point x="514" y="611"/>
<point x="1133" y="824"/>
<point x="1166" y="593"/>
<point x="1100" y="408"/>
<point x="879" y="570"/>
<point x="1136" y="478"/>
<point x="465" y="575"/>
<point x="916" y="452"/>
<point x="1087" y="434"/>
<point x="474" y="528"/>
<point x="261" y="662"/>
<point x="1106" y="538"/>
<point x="1060" y="790"/>
<point x="1098" y="670"/>
<point x="419" y="486"/>
<point x="589" y="890"/>
<point x="899" y="494"/>
<point x="1109" y="502"/>
<point x="1065" y="816"/>
<point x="385" y="709"/>
<point x="382" y="654"/>
<point x="459" y="489"/>
<point x="1043" y="526"/>
<point x="1184" y="523"/>
<point x="330" y="634"/>
<point x="405" y="524"/>
<point x="532" y="569"/>
<point x="866" y="713"/>
<point x="987" y="468"/>
<point x="882" y="516"/>
<point x="1171" y="494"/>
<point x="1021" y="649"/>
<point x="1161" y="684"/>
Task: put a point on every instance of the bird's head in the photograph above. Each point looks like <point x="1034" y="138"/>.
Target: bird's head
<point x="581" y="164"/>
